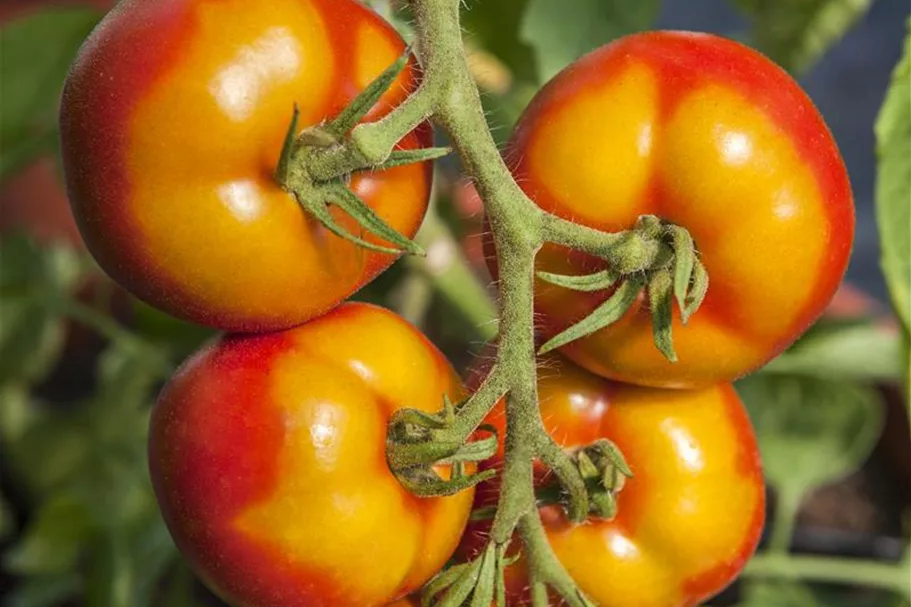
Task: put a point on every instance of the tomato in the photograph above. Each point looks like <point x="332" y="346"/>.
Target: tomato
<point x="267" y="455"/>
<point x="172" y="123"/>
<point x="712" y="136"/>
<point x="689" y="518"/>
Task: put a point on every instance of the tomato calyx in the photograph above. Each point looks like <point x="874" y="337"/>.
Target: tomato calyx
<point x="316" y="164"/>
<point x="482" y="580"/>
<point x="655" y="256"/>
<point x="605" y="471"/>
<point x="418" y="442"/>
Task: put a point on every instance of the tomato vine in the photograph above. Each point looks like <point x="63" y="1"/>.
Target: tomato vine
<point x="449" y="96"/>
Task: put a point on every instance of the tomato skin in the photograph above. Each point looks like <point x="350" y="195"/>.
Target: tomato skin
<point x="710" y="135"/>
<point x="267" y="455"/>
<point x="172" y="122"/>
<point x="688" y="520"/>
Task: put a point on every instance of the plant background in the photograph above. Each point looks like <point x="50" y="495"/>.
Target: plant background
<point x="81" y="362"/>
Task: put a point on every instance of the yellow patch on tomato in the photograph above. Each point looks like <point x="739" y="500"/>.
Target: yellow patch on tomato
<point x="594" y="151"/>
<point x="738" y="182"/>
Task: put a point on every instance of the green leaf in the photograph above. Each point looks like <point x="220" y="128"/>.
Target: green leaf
<point x="893" y="186"/>
<point x="51" y="452"/>
<point x="53" y="540"/>
<point x="152" y="548"/>
<point x="561" y="32"/>
<point x="811" y="431"/>
<point x="36" y="53"/>
<point x="17" y="413"/>
<point x="844" y="351"/>
<point x="32" y="279"/>
<point x="796" y="33"/>
<point x="110" y="577"/>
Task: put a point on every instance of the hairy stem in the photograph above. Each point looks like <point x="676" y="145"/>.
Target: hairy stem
<point x="517" y="226"/>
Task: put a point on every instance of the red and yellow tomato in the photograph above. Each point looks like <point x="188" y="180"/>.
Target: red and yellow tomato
<point x="267" y="455"/>
<point x="712" y="136"/>
<point x="689" y="518"/>
<point x="172" y="123"/>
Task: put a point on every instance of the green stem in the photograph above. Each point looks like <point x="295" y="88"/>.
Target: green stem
<point x="448" y="94"/>
<point x="858" y="572"/>
<point x="786" y="509"/>
<point x="518" y="234"/>
<point x="413" y="297"/>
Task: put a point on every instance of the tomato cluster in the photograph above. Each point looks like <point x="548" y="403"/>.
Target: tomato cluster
<point x="268" y="449"/>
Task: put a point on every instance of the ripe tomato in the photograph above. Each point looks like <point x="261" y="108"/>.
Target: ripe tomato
<point x="267" y="455"/>
<point x="690" y="517"/>
<point x="172" y="122"/>
<point x="709" y="135"/>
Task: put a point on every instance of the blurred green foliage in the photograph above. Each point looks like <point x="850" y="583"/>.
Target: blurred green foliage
<point x="79" y="522"/>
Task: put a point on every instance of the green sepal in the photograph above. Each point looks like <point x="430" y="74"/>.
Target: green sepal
<point x="366" y="99"/>
<point x="611" y="452"/>
<point x="405" y="420"/>
<point x="474" y="451"/>
<point x="317" y="137"/>
<point x="604" y="505"/>
<point x="661" y="300"/>
<point x="442" y="581"/>
<point x="484" y="589"/>
<point x="367" y="218"/>
<point x="421" y="420"/>
<point x="481" y="580"/>
<point x="284" y="160"/>
<point x="402" y="157"/>
<point x="319" y="209"/>
<point x="460" y="590"/>
<point x="503" y="561"/>
<point x="587" y="467"/>
<point x="607" y="313"/>
<point x="420" y="452"/>
<point x="422" y="481"/>
<point x="597" y="281"/>
<point x="685" y="253"/>
<point x="338" y="194"/>
<point x="696" y="294"/>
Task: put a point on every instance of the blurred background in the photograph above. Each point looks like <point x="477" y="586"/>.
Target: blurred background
<point x="81" y="361"/>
